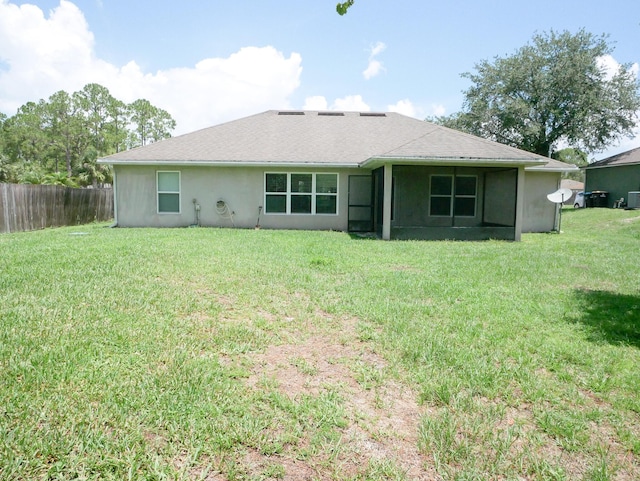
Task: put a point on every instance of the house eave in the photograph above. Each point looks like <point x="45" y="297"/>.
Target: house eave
<point x="542" y="168"/>
<point x="379" y="161"/>
<point x="223" y="163"/>
<point x="593" y="167"/>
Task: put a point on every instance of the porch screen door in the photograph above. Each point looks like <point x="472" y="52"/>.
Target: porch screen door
<point x="360" y="205"/>
<point x="500" y="194"/>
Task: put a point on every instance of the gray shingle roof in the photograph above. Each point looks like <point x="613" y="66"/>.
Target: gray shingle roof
<point x="630" y="157"/>
<point x="332" y="138"/>
<point x="571" y="184"/>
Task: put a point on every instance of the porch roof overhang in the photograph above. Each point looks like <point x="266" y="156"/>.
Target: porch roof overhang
<point x="554" y="168"/>
<point x="379" y="161"/>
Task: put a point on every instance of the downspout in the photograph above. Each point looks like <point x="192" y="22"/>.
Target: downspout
<point x="386" y="203"/>
<point x="115" y="199"/>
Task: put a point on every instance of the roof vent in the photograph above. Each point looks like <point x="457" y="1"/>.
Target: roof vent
<point x="372" y="114"/>
<point x="332" y="114"/>
<point x="291" y="112"/>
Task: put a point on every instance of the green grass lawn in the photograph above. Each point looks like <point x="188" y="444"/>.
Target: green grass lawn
<point x="222" y="354"/>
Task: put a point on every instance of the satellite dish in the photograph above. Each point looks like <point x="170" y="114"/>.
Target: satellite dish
<point x="560" y="196"/>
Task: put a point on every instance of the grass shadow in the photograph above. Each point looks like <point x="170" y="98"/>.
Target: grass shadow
<point x="569" y="210"/>
<point x="610" y="317"/>
<point x="364" y="236"/>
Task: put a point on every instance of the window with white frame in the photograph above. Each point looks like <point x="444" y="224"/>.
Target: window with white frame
<point x="447" y="199"/>
<point x="168" y="188"/>
<point x="301" y="193"/>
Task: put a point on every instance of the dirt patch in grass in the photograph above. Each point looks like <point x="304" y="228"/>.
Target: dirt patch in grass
<point x="628" y="220"/>
<point x="309" y="355"/>
<point x="381" y="415"/>
<point x="379" y="437"/>
<point x="600" y="443"/>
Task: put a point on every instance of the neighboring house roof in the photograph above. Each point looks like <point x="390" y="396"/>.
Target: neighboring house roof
<point x="630" y="157"/>
<point x="571" y="184"/>
<point x="349" y="139"/>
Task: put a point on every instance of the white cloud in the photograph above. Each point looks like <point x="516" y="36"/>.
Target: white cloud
<point x="611" y="66"/>
<point x="216" y="89"/>
<point x="351" y="103"/>
<point x="623" y="145"/>
<point x="438" y="110"/>
<point x="378" y="48"/>
<point x="374" y="67"/>
<point x="317" y="102"/>
<point x="41" y="55"/>
<point x="404" y="107"/>
<point x="608" y="64"/>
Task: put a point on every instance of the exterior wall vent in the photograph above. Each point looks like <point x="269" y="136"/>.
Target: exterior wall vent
<point x="291" y="112"/>
<point x="372" y="114"/>
<point x="332" y="114"/>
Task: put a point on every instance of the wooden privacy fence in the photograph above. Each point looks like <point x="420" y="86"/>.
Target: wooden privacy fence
<point x="29" y="207"/>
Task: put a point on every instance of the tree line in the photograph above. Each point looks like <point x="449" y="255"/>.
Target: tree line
<point x="554" y="97"/>
<point x="58" y="140"/>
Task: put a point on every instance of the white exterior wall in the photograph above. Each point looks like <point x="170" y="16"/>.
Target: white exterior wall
<point x="539" y="212"/>
<point x="241" y="188"/>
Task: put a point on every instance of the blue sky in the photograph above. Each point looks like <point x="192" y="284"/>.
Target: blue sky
<point x="208" y="61"/>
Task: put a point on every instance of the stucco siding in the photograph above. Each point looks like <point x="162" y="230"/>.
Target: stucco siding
<point x="241" y="189"/>
<point x="539" y="212"/>
<point x="618" y="181"/>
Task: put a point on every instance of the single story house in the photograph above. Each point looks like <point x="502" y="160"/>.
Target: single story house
<point x="350" y="171"/>
<point x="618" y="175"/>
<point x="574" y="186"/>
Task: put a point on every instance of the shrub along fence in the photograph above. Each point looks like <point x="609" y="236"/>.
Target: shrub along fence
<point x="29" y="207"/>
